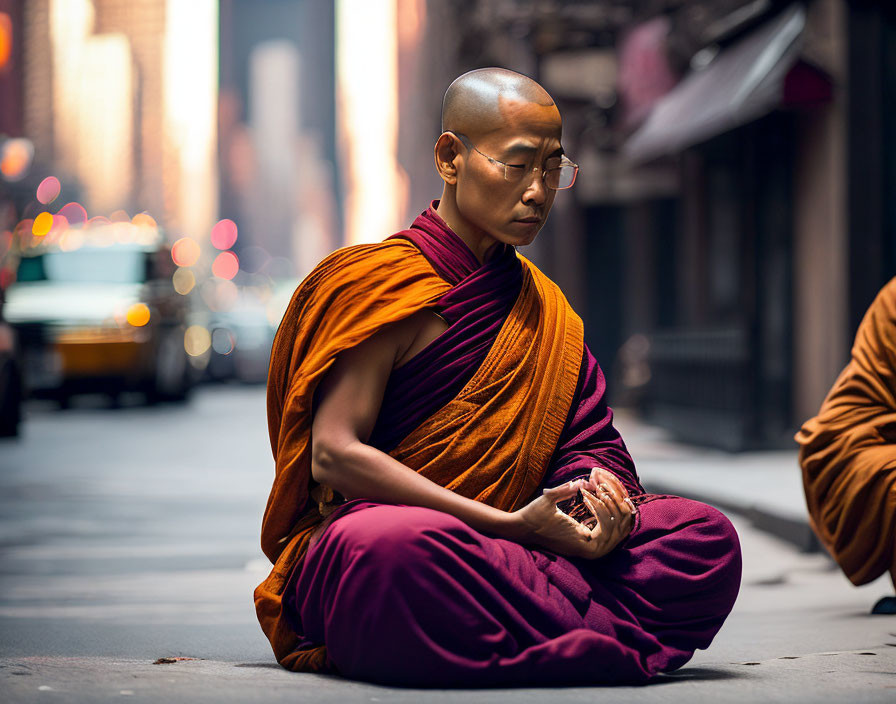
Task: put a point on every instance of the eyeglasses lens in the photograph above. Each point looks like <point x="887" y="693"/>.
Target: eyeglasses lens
<point x="560" y="178"/>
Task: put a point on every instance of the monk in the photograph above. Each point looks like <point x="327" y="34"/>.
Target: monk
<point x="848" y="455"/>
<point x="452" y="506"/>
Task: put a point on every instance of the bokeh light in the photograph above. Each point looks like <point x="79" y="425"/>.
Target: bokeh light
<point x="15" y="158"/>
<point x="224" y="234"/>
<point x="48" y="190"/>
<point x="144" y="220"/>
<point x="75" y="213"/>
<point x="185" y="252"/>
<point x="71" y="240"/>
<point x="60" y="225"/>
<point x="197" y="340"/>
<point x="123" y="232"/>
<point x="23" y="228"/>
<point x="42" y="224"/>
<point x="219" y="294"/>
<point x="226" y="265"/>
<point x="145" y="235"/>
<point x="5" y="38"/>
<point x="184" y="280"/>
<point x="279" y="268"/>
<point x="138" y="315"/>
<point x="102" y="236"/>
<point x="222" y="341"/>
<point x="253" y="259"/>
<point x="120" y="216"/>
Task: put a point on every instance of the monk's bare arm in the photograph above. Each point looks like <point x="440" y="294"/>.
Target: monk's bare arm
<point x="347" y="409"/>
<point x="349" y="402"/>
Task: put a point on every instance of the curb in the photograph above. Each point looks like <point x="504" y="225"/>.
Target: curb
<point x="794" y="531"/>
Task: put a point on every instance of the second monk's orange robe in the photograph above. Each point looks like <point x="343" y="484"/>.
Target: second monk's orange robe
<point x="848" y="452"/>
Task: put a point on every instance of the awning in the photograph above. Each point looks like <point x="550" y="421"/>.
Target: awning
<point x="745" y="81"/>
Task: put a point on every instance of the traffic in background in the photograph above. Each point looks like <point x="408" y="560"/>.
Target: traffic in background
<point x="97" y="304"/>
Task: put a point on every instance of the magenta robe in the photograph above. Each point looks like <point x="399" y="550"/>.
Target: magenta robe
<point x="406" y="595"/>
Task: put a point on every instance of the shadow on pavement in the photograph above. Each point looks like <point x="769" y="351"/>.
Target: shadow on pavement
<point x="696" y="674"/>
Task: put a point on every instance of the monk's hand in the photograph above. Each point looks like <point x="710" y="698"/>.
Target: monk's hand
<point x="613" y="510"/>
<point x="544" y="524"/>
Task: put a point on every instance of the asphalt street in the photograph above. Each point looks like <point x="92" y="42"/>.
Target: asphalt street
<point x="130" y="534"/>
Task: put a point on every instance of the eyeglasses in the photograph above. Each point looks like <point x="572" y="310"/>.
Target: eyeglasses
<point x="558" y="172"/>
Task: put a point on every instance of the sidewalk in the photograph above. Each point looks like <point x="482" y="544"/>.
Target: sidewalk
<point x="765" y="487"/>
<point x="115" y="559"/>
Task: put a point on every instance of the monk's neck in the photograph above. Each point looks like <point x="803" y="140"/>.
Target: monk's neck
<point x="479" y="243"/>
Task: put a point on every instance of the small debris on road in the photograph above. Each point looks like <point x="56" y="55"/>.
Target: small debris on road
<point x="169" y="661"/>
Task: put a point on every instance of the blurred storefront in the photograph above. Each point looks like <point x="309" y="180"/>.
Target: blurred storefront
<point x="729" y="224"/>
<point x="724" y="370"/>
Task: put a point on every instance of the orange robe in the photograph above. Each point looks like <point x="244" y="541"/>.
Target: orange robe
<point x="509" y="416"/>
<point x="848" y="452"/>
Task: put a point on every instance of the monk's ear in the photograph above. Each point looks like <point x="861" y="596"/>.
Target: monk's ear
<point x="446" y="154"/>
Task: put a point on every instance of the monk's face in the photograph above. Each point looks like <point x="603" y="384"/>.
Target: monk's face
<point x="509" y="210"/>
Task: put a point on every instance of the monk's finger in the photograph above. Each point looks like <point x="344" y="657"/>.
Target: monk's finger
<point x="603" y="480"/>
<point x="621" y="520"/>
<point x="599" y="509"/>
<point x="614" y="510"/>
<point x="562" y="492"/>
<point x="610" y="483"/>
<point x="627" y="504"/>
<point x="607" y="534"/>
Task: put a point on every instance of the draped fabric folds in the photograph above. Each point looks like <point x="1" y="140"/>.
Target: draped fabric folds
<point x="848" y="452"/>
<point x="346" y="299"/>
<point x="506" y="401"/>
<point x="501" y="428"/>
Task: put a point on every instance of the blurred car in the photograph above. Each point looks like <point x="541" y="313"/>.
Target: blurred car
<point x="241" y="340"/>
<point x="10" y="380"/>
<point x="100" y="318"/>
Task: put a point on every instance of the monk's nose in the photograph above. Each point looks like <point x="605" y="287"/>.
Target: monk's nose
<point x="536" y="192"/>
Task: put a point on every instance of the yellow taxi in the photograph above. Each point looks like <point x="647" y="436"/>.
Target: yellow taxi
<point x="100" y="317"/>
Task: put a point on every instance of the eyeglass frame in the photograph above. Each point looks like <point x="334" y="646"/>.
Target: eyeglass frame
<point x="564" y="161"/>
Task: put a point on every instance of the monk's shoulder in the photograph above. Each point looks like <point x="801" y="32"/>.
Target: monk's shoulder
<point x="379" y="261"/>
<point x="366" y="277"/>
<point x="362" y="266"/>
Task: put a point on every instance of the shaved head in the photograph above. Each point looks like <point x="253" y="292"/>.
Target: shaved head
<point x="481" y="101"/>
<point x="500" y="130"/>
